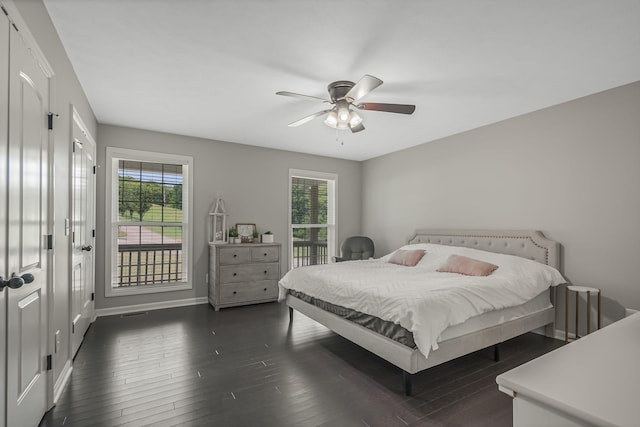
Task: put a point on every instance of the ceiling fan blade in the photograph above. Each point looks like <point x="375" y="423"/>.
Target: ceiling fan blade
<point x="298" y="95"/>
<point x="359" y="127"/>
<point x="307" y="119"/>
<point x="389" y="108"/>
<point x="365" y="85"/>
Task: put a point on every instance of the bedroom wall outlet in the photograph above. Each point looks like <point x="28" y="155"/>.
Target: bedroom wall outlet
<point x="57" y="341"/>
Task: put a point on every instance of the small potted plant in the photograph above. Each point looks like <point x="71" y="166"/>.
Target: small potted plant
<point x="234" y="236"/>
<point x="267" y="237"/>
<point x="256" y="237"/>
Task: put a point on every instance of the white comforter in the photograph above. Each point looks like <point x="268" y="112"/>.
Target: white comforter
<point x="418" y="298"/>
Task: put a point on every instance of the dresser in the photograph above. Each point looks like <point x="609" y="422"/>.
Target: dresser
<point x="241" y="274"/>
<point x="590" y="382"/>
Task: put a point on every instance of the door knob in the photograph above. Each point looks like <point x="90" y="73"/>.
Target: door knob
<point x="87" y="248"/>
<point x="15" y="281"/>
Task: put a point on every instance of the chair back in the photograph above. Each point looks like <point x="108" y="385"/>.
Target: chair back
<point x="357" y="247"/>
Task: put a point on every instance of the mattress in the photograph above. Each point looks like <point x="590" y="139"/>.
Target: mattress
<point x="400" y="334"/>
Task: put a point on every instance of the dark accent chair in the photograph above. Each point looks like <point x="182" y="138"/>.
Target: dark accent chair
<point x="354" y="248"/>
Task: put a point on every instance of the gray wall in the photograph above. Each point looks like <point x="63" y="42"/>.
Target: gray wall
<point x="65" y="91"/>
<point x="571" y="171"/>
<point x="254" y="183"/>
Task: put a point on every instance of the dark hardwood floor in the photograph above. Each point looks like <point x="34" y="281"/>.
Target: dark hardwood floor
<point x="246" y="366"/>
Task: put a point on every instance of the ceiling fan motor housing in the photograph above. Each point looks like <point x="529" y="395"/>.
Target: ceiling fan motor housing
<point x="339" y="89"/>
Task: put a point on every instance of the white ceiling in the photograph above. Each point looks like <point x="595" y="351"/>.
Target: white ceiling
<point x="211" y="68"/>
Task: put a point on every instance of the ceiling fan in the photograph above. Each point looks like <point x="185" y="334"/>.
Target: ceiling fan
<point x="344" y="95"/>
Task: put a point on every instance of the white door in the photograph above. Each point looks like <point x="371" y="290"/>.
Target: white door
<point x="4" y="102"/>
<point x="26" y="237"/>
<point x="82" y="233"/>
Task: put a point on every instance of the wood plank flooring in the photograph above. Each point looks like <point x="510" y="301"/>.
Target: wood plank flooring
<point x="247" y="366"/>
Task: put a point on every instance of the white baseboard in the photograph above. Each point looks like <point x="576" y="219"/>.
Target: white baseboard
<point x="62" y="381"/>
<point x="150" y="306"/>
<point x="558" y="334"/>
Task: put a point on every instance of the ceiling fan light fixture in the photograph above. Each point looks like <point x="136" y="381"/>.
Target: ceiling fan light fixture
<point x="332" y="119"/>
<point x="343" y="114"/>
<point x="354" y="119"/>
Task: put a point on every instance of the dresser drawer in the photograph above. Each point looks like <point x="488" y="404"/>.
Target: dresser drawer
<point x="233" y="255"/>
<point x="265" y="254"/>
<point x="249" y="272"/>
<point x="244" y="291"/>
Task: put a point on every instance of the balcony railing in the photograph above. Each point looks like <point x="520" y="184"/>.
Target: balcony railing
<point x="309" y="253"/>
<point x="149" y="264"/>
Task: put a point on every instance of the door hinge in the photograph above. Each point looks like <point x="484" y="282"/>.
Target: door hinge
<point x="50" y="119"/>
<point x="49" y="241"/>
<point x="93" y="233"/>
<point x="93" y="296"/>
<point x="73" y="237"/>
<point x="49" y="362"/>
<point x="94" y="170"/>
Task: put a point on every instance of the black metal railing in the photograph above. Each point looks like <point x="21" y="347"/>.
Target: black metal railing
<point x="149" y="264"/>
<point x="309" y="253"/>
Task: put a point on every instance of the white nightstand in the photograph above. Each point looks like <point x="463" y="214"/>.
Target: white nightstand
<point x="579" y="290"/>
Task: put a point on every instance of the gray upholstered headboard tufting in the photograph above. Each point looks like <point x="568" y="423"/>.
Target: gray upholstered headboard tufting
<point x="528" y="244"/>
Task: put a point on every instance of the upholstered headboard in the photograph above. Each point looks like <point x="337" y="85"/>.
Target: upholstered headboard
<point x="528" y="244"/>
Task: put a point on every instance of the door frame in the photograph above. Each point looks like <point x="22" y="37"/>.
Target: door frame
<point x="4" y="148"/>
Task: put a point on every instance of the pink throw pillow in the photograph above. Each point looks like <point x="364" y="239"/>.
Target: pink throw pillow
<point x="467" y="266"/>
<point x="408" y="258"/>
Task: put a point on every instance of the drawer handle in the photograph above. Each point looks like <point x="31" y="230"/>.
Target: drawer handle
<point x="265" y="272"/>
<point x="235" y="255"/>
<point x="265" y="254"/>
<point x="235" y="292"/>
<point x="265" y="289"/>
<point x="235" y="274"/>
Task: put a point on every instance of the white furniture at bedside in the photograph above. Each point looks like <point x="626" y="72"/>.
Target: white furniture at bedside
<point x="588" y="292"/>
<point x="593" y="381"/>
<point x="243" y="274"/>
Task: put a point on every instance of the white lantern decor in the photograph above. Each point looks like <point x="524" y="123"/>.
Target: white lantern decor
<point x="218" y="223"/>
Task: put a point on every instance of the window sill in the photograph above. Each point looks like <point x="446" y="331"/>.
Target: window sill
<point x="147" y="289"/>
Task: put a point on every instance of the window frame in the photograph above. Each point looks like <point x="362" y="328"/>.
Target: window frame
<point x="332" y="210"/>
<point x="113" y="156"/>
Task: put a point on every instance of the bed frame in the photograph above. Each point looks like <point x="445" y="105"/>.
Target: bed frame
<point x="524" y="243"/>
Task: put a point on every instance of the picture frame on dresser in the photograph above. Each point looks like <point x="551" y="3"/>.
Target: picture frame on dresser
<point x="245" y="232"/>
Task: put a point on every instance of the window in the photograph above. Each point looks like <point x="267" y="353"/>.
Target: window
<point x="148" y="233"/>
<point x="312" y="217"/>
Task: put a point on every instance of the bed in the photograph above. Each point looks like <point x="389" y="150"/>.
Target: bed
<point x="477" y="332"/>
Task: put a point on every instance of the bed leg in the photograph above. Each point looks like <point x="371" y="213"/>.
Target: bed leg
<point x="406" y="378"/>
<point x="496" y="353"/>
<point x="290" y="315"/>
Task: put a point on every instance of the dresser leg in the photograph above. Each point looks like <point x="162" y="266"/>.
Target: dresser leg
<point x="496" y="353"/>
<point x="290" y="315"/>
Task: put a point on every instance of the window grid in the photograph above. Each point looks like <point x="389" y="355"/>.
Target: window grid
<point x="149" y="225"/>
